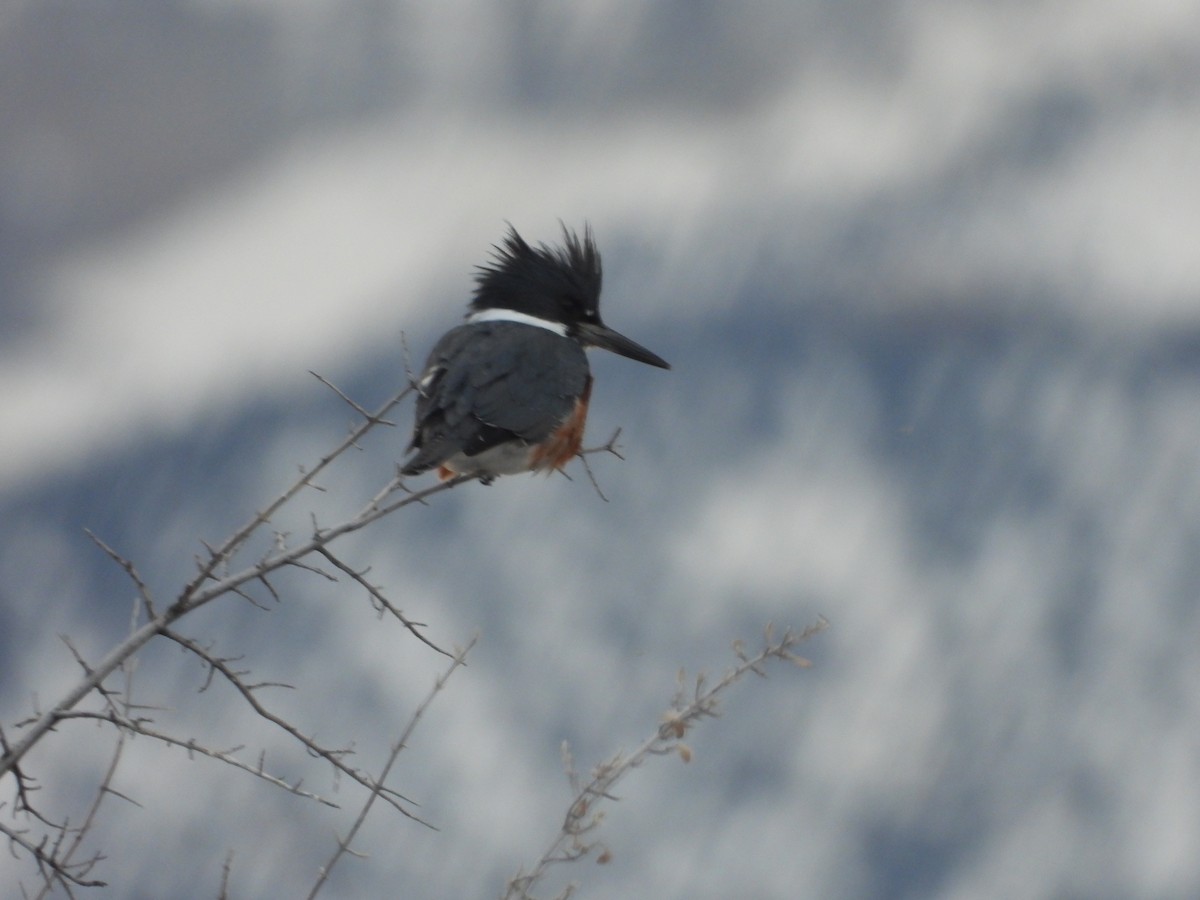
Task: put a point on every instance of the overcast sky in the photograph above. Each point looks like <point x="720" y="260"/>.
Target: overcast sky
<point x="927" y="276"/>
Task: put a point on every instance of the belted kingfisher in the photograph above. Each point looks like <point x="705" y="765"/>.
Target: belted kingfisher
<point x="508" y="391"/>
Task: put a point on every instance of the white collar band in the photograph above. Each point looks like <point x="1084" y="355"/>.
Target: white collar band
<point x="511" y="315"/>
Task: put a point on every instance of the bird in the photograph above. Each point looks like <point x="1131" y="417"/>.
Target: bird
<point x="507" y="391"/>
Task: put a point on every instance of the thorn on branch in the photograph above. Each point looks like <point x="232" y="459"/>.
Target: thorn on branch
<point x="316" y="570"/>
<point x="270" y="588"/>
<point x="245" y="596"/>
<point x="358" y="409"/>
<point x="130" y="570"/>
<point x="214" y="556"/>
<point x="125" y="797"/>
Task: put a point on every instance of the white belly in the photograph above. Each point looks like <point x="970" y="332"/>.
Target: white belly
<point x="503" y="459"/>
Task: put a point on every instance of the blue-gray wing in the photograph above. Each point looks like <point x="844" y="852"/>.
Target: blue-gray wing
<point x="490" y="383"/>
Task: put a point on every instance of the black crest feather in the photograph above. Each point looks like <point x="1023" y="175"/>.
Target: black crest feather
<point x="541" y="280"/>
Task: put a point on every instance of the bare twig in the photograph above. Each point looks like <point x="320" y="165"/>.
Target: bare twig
<point x="192" y="746"/>
<point x="592" y="478"/>
<point x="382" y="604"/>
<point x="584" y="815"/>
<point x="344" y="844"/>
<point x="130" y="570"/>
<point x="609" y="446"/>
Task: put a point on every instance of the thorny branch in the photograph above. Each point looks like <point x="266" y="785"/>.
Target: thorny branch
<point x="54" y="851"/>
<point x="381" y="603"/>
<point x="142" y="726"/>
<point x="688" y="707"/>
<point x="192" y="596"/>
<point x="52" y="870"/>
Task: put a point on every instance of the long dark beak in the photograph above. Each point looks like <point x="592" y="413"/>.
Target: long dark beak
<point x="605" y="338"/>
